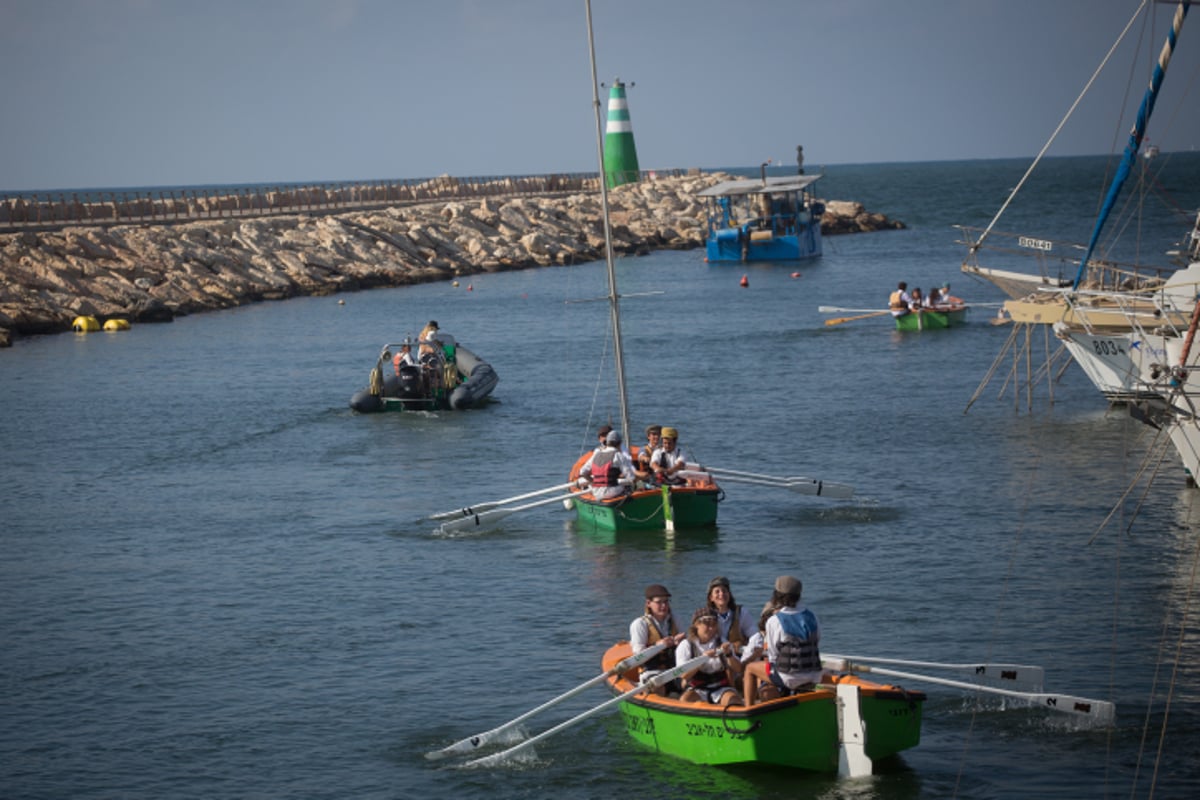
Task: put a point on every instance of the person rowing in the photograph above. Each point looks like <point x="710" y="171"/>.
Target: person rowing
<point x="901" y="301"/>
<point x="657" y="623"/>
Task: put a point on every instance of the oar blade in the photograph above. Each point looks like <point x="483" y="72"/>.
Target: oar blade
<point x="840" y="320"/>
<point x="834" y="491"/>
<point x="485" y="519"/>
<point x="468" y="745"/>
<point x="480" y="521"/>
<point x="1020" y="677"/>
<point x="472" y="743"/>
<point x="468" y="511"/>
<point x="1101" y="712"/>
<point x="656" y="681"/>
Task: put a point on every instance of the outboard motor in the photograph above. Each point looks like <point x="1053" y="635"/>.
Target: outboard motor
<point x="409" y="382"/>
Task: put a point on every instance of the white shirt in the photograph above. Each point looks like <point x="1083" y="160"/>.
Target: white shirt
<point x="775" y="635"/>
<point x="639" y="631"/>
<point x="684" y="653"/>
<point x="746" y="625"/>
<point x="664" y="460"/>
<point x="756" y="643"/>
<point x="623" y="463"/>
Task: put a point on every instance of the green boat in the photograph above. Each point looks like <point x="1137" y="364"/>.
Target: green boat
<point x="801" y="731"/>
<point x="690" y="505"/>
<point x="930" y="319"/>
<point x="651" y="509"/>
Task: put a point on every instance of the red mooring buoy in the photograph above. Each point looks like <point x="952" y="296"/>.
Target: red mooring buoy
<point x="745" y="281"/>
<point x="795" y="274"/>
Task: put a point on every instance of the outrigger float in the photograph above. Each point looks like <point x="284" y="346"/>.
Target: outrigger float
<point x="446" y="376"/>
<point x="769" y="219"/>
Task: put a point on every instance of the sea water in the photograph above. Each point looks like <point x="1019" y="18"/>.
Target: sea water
<point x="218" y="581"/>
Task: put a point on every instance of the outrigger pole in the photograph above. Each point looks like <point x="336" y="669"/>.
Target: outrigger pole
<point x="613" y="300"/>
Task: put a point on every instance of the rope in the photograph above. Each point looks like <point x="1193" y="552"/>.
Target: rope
<point x="376" y="381"/>
<point x="728" y="729"/>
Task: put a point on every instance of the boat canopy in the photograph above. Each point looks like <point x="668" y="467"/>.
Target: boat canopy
<point x="788" y="183"/>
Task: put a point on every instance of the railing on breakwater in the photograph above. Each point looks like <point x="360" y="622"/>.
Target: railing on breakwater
<point x="46" y="210"/>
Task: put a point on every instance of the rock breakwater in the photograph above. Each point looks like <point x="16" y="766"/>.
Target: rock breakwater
<point x="153" y="273"/>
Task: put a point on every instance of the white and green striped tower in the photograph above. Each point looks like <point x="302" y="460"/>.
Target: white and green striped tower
<point x="620" y="155"/>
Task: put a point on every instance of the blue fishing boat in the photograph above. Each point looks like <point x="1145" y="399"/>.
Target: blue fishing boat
<point x="768" y="219"/>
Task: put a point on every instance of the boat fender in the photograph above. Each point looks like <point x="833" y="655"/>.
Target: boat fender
<point x="86" y="324"/>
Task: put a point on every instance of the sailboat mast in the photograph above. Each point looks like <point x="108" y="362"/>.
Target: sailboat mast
<point x="1135" y="135"/>
<point x="613" y="300"/>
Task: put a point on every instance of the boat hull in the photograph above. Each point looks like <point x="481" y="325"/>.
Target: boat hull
<point x="799" y="732"/>
<point x="1114" y="361"/>
<point x="931" y="320"/>
<point x="686" y="506"/>
<point x="770" y="219"/>
<point x="735" y="244"/>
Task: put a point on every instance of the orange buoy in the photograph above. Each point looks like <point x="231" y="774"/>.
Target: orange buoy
<point x="745" y="281"/>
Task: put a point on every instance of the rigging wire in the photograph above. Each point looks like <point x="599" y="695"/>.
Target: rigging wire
<point x="1155" y="454"/>
<point x="1037" y="159"/>
<point x="587" y="428"/>
<point x="1005" y="590"/>
<point x="1162" y="736"/>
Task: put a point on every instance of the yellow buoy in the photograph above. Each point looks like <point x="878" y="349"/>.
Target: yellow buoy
<point x="116" y="325"/>
<point x="85" y="324"/>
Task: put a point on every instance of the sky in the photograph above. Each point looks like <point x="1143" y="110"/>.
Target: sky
<point x="126" y="93"/>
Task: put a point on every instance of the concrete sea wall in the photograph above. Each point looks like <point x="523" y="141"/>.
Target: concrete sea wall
<point x="155" y="272"/>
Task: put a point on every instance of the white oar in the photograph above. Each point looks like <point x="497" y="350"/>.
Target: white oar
<point x="840" y="310"/>
<point x="810" y="486"/>
<point x="478" y="740"/>
<point x="741" y="474"/>
<point x="485" y="518"/>
<point x="656" y="681"/>
<point x="1017" y="676"/>
<point x="1101" y="711"/>
<point x="470" y="511"/>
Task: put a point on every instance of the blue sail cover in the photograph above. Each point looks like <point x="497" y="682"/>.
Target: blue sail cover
<point x="1135" y="136"/>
